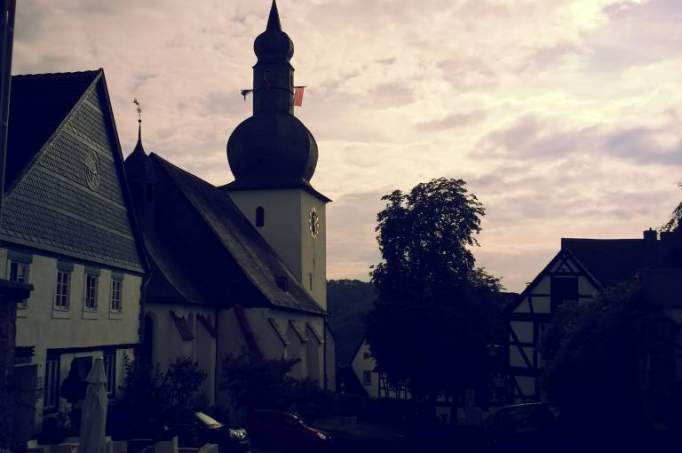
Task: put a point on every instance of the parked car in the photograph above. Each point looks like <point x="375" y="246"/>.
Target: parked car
<point x="200" y="428"/>
<point x="285" y="431"/>
<point x="529" y="426"/>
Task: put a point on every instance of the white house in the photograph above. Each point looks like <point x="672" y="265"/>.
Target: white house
<point x="372" y="381"/>
<point x="67" y="229"/>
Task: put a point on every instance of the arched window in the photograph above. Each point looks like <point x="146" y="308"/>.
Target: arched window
<point x="260" y="216"/>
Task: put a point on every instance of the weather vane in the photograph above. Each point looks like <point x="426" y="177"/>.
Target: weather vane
<point x="139" y="110"/>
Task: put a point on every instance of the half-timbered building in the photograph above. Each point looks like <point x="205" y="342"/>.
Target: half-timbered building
<point x="580" y="270"/>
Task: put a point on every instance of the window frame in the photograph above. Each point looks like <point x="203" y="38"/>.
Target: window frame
<point x="109" y="362"/>
<point x="21" y="261"/>
<point x="66" y="296"/>
<point x="116" y="279"/>
<point x="51" y="384"/>
<point x="89" y="295"/>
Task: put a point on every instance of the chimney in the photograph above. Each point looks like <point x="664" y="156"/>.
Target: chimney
<point x="650" y="235"/>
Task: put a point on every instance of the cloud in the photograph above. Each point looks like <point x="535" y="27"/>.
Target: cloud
<point x="563" y="115"/>
<point x="453" y="120"/>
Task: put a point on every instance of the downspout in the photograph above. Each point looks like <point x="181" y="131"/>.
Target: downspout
<point x="216" y="372"/>
<point x="324" y="352"/>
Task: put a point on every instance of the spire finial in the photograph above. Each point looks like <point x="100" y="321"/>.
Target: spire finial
<point x="138" y="108"/>
<point x="273" y="20"/>
<point x="139" y="119"/>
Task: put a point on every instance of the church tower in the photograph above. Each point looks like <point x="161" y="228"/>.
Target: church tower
<point x="273" y="157"/>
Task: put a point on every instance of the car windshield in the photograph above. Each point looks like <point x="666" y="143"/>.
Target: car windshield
<point x="207" y="420"/>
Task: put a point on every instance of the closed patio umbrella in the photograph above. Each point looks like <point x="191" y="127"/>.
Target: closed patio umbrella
<point x="94" y="418"/>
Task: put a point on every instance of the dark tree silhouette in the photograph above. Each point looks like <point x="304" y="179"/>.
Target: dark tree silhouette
<point x="591" y="360"/>
<point x="434" y="316"/>
<point x="676" y="220"/>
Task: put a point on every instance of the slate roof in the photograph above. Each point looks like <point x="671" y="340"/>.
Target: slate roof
<point x="258" y="262"/>
<point x="611" y="261"/>
<point x="38" y="105"/>
<point x="65" y="188"/>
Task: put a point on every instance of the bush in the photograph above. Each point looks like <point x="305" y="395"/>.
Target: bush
<point x="150" y="396"/>
<point x="255" y="383"/>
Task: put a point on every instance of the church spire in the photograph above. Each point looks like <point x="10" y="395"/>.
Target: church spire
<point x="138" y="147"/>
<point x="273" y="21"/>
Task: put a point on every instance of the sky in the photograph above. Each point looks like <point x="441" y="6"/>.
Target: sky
<point x="563" y="116"/>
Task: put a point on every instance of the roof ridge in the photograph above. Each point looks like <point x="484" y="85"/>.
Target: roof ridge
<point x="47" y="74"/>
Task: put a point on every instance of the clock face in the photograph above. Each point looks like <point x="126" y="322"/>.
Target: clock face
<point x="314" y="223"/>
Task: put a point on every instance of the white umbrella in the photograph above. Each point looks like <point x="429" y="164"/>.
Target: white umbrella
<point x="94" y="415"/>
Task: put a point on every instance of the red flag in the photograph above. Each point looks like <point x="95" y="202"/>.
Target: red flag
<point x="298" y="96"/>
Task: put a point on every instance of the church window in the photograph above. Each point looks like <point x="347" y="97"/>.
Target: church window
<point x="367" y="377"/>
<point x="310" y="281"/>
<point x="260" y="216"/>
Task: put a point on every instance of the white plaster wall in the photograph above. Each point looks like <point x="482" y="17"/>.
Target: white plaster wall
<point x="282" y="229"/>
<point x="286" y="230"/>
<point x="42" y="326"/>
<point x="310" y="352"/>
<point x="168" y="345"/>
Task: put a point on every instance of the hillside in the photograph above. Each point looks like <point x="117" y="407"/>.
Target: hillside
<point x="348" y="302"/>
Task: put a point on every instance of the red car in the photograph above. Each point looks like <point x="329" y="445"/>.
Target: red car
<point x="285" y="431"/>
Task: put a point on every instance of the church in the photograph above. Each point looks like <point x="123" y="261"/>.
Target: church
<point x="239" y="268"/>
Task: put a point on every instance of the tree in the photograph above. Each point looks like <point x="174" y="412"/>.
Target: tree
<point x="590" y="352"/>
<point x="434" y="316"/>
<point x="676" y="220"/>
<point x="148" y="394"/>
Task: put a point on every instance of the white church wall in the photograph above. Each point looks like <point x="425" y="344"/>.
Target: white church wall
<point x="168" y="345"/>
<point x="286" y="230"/>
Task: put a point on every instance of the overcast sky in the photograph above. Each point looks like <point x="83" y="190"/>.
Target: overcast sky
<point x="563" y="115"/>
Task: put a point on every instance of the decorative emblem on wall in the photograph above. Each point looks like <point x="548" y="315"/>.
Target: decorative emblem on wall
<point x="91" y="170"/>
<point x="314" y="223"/>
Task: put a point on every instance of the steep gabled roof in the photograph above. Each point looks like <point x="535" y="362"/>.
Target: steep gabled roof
<point x="39" y="103"/>
<point x="66" y="191"/>
<point x="259" y="263"/>
<point x="605" y="262"/>
<point x="612" y="261"/>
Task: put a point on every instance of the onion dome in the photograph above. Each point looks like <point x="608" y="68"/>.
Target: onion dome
<point x="272" y="148"/>
<point x="273" y="44"/>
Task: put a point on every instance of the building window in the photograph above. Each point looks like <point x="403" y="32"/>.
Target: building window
<point x="116" y="285"/>
<point x="564" y="289"/>
<point x="367" y="377"/>
<point x="63" y="290"/>
<point x="260" y="216"/>
<point x="366" y="355"/>
<point x="310" y="281"/>
<point x="17" y="271"/>
<point x="110" y="370"/>
<point x="91" y="281"/>
<point x="51" y="385"/>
